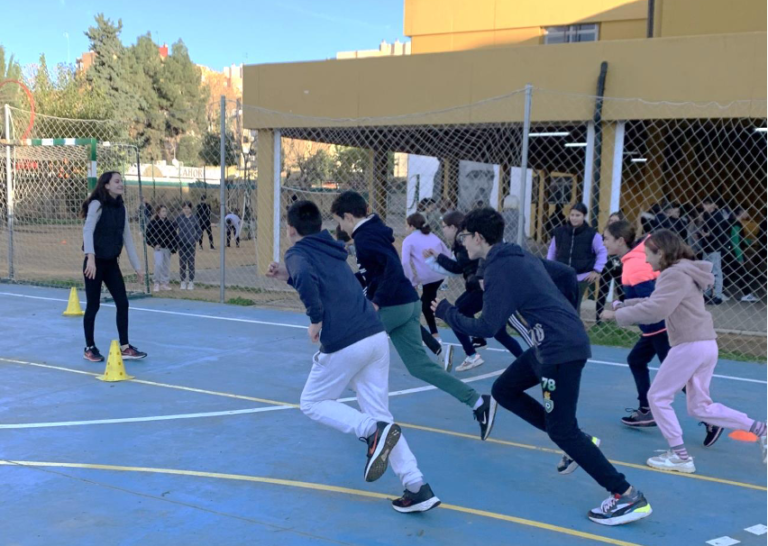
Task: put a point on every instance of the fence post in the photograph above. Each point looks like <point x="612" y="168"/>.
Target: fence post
<point x="222" y="197"/>
<point x="276" y="199"/>
<point x="524" y="165"/>
<point x="142" y="221"/>
<point x="589" y="164"/>
<point x="9" y="191"/>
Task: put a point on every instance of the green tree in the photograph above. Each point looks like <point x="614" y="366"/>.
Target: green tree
<point x="113" y="73"/>
<point x="188" y="150"/>
<point x="314" y="168"/>
<point x="350" y="166"/>
<point x="10" y="70"/>
<point x="147" y="70"/>
<point x="210" y="152"/>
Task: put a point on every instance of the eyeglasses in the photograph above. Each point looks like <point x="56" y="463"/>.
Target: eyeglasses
<point x="461" y="236"/>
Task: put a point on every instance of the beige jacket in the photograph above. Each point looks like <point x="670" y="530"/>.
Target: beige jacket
<point x="679" y="300"/>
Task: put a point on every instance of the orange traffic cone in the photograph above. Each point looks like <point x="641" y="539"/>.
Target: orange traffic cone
<point x="115" y="370"/>
<point x="73" y="306"/>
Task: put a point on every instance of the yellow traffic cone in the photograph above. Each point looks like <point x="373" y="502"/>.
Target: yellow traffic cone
<point x="73" y="306"/>
<point x="115" y="370"/>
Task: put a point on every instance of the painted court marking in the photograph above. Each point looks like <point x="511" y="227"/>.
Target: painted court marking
<point x="277" y="405"/>
<point x="758" y="530"/>
<point x="300" y="327"/>
<point x="323" y="488"/>
<point x="723" y="541"/>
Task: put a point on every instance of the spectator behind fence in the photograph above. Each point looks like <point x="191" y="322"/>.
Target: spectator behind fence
<point x="203" y="213"/>
<point x="580" y="246"/>
<point x="734" y="263"/>
<point x="162" y="236"/>
<point x="671" y="218"/>
<point x="189" y="235"/>
<point x="233" y="224"/>
<point x="714" y="241"/>
<point x="145" y="208"/>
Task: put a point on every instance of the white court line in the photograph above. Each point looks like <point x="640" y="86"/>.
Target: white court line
<point x="198" y="415"/>
<point x="267" y="323"/>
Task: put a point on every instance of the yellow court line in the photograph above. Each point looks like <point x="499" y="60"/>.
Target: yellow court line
<point x="155" y="384"/>
<point x="418" y="427"/>
<point x="325" y="488"/>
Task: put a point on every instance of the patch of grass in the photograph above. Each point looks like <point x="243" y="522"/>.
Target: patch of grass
<point x="611" y="335"/>
<point x="241" y="301"/>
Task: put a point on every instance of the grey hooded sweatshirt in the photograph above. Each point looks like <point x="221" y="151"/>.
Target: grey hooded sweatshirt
<point x="678" y="299"/>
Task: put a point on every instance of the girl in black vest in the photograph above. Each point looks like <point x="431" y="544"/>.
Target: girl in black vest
<point x="580" y="246"/>
<point x="105" y="233"/>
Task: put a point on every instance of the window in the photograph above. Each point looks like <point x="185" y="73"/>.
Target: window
<point x="570" y="34"/>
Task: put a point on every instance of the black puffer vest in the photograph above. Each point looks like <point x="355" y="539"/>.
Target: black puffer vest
<point x="574" y="247"/>
<point x="108" y="235"/>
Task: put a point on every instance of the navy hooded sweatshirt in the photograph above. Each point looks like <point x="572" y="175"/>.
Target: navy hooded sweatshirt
<point x="517" y="282"/>
<point x="386" y="283"/>
<point x="318" y="270"/>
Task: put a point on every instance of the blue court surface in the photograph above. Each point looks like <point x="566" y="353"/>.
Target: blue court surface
<point x="207" y="447"/>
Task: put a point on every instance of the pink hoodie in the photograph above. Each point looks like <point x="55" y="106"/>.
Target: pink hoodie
<point x="679" y="300"/>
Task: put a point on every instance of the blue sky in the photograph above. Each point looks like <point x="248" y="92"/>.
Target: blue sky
<point x="217" y="33"/>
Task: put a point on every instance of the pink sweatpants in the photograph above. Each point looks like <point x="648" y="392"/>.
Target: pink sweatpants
<point x="690" y="365"/>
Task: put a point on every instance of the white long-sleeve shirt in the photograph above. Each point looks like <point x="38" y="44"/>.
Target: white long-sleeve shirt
<point x="235" y="219"/>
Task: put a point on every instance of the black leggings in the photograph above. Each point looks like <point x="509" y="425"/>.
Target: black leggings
<point x="206" y="228"/>
<point x="557" y="417"/>
<point x="108" y="272"/>
<point x="428" y="295"/>
<point x="640" y="356"/>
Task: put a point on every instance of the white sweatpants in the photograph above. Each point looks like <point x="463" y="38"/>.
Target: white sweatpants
<point x="364" y="367"/>
<point x="163" y="266"/>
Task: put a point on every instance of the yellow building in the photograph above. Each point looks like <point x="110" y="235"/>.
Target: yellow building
<point x="685" y="92"/>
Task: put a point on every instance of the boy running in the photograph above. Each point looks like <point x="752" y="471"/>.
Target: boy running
<point x="354" y="353"/>
<point x="398" y="303"/>
<point x="517" y="282"/>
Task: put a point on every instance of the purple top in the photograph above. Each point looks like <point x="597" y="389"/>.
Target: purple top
<point x="598" y="248"/>
<point x="413" y="247"/>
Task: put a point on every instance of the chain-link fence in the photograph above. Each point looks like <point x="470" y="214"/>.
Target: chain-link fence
<point x="659" y="164"/>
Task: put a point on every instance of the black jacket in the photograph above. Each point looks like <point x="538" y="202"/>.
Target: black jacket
<point x="461" y="265"/>
<point x="108" y="234"/>
<point x="386" y="282"/>
<point x="163" y="233"/>
<point x="518" y="282"/>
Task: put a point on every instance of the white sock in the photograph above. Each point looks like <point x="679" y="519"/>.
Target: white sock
<point x="478" y="403"/>
<point x="414" y="487"/>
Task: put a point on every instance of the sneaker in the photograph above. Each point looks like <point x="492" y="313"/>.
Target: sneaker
<point x="183" y="285"/>
<point x="668" y="460"/>
<point x="132" y="353"/>
<point x="470" y="362"/>
<point x="713" y="301"/>
<point x="725" y="298"/>
<point x="713" y="434"/>
<point x="447" y="357"/>
<point x="156" y="288"/>
<point x="380" y="445"/>
<point x="568" y="465"/>
<point x="190" y="285"/>
<point x="166" y="287"/>
<point x="422" y="501"/>
<point x="620" y="509"/>
<point x="749" y="298"/>
<point x="479" y="343"/>
<point x="639" y="418"/>
<point x="92" y="354"/>
<point x="485" y="415"/>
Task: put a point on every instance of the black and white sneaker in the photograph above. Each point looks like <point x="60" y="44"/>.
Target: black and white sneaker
<point x="568" y="465"/>
<point x="422" y="501"/>
<point x="639" y="418"/>
<point x="713" y="434"/>
<point x="479" y="343"/>
<point x="380" y="445"/>
<point x="92" y="354"/>
<point x="620" y="509"/>
<point x="485" y="415"/>
<point x="447" y="353"/>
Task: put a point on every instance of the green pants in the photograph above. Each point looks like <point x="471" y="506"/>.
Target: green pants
<point x="403" y="326"/>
